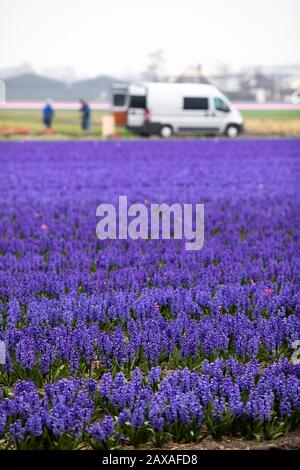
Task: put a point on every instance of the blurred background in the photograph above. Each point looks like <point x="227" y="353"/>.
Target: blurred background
<point x="66" y="50"/>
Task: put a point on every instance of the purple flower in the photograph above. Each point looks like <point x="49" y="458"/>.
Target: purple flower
<point x="143" y="329"/>
<point x="103" y="431"/>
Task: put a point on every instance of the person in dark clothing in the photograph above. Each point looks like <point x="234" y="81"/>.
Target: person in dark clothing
<point x="48" y="114"/>
<point x="85" y="115"/>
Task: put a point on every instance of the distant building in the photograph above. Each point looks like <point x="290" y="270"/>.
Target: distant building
<point x="2" y="91"/>
<point x="94" y="89"/>
<point x="259" y="86"/>
<point x="32" y="87"/>
<point x="192" y="75"/>
<point x="245" y="87"/>
<point x="9" y="72"/>
<point x="290" y="88"/>
<point x="230" y="85"/>
<point x="237" y="86"/>
<point x="276" y="72"/>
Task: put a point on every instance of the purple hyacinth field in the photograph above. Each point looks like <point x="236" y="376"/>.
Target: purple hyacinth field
<point x="115" y="343"/>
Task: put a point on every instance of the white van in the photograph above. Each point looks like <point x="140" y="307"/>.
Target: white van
<point x="190" y="108"/>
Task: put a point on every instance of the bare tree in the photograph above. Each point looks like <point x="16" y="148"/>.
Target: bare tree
<point x="155" y="66"/>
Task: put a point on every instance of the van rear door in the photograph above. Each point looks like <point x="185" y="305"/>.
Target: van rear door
<point x="119" y="103"/>
<point x="119" y="95"/>
<point x="137" y="106"/>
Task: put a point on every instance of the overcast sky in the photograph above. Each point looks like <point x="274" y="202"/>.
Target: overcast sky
<point x="115" y="36"/>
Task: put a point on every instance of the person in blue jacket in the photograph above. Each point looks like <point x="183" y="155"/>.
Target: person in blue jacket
<point x="48" y="114"/>
<point x="85" y="115"/>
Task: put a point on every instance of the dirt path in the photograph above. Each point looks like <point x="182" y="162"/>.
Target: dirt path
<point x="290" y="441"/>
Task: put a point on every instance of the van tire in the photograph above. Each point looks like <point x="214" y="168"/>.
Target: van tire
<point x="232" y="131"/>
<point x="166" y="131"/>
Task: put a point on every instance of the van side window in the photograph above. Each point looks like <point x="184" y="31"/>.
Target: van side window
<point x="119" y="99"/>
<point x="220" y="105"/>
<point x="137" y="101"/>
<point x="195" y="103"/>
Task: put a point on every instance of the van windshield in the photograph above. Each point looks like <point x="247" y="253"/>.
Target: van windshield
<point x="137" y="101"/>
<point x="220" y="105"/>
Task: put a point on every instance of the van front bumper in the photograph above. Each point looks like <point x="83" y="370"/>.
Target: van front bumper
<point x="241" y="128"/>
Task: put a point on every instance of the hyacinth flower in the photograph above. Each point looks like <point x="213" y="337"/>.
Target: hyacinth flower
<point x="102" y="433"/>
<point x="225" y="396"/>
<point x="130" y="340"/>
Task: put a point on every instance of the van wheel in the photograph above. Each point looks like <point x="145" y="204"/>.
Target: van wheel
<point x="232" y="131"/>
<point x="166" y="131"/>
